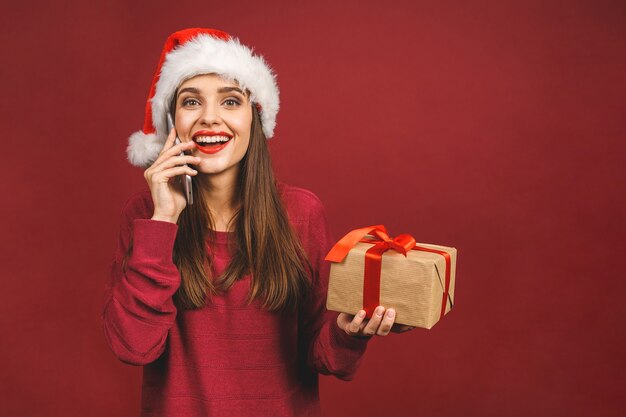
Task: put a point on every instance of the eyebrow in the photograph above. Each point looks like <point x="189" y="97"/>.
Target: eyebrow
<point x="222" y="90"/>
<point x="229" y="89"/>
<point x="188" y="90"/>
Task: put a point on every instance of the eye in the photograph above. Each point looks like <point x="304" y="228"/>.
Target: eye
<point x="231" y="102"/>
<point x="190" y="102"/>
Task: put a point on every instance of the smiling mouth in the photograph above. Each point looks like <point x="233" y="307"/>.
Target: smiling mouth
<point x="212" y="144"/>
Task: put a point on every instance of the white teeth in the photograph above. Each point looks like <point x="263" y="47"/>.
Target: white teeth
<point x="211" y="139"/>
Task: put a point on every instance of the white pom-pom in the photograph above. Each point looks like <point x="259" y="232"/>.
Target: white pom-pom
<point x="143" y="149"/>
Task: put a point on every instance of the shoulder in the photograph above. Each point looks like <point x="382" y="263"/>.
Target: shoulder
<point x="301" y="204"/>
<point x="138" y="206"/>
<point x="307" y="216"/>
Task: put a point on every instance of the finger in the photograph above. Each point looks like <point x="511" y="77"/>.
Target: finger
<point x="169" y="142"/>
<point x="343" y="320"/>
<point x="169" y="163"/>
<point x="177" y="161"/>
<point x="165" y="175"/>
<point x="182" y="147"/>
<point x="353" y="327"/>
<point x="174" y="150"/>
<point x="387" y="323"/>
<point x="372" y="326"/>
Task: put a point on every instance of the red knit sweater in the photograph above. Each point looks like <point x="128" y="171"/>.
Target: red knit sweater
<point x="227" y="358"/>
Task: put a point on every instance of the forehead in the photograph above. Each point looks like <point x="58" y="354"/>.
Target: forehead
<point x="208" y="81"/>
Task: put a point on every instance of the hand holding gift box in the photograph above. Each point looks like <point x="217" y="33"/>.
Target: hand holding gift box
<point x="369" y="269"/>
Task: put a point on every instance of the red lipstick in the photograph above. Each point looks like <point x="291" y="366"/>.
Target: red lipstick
<point x="211" y="149"/>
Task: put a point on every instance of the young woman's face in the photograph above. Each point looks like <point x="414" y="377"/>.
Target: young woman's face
<point x="217" y="115"/>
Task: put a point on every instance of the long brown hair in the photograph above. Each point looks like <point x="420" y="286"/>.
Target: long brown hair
<point x="264" y="244"/>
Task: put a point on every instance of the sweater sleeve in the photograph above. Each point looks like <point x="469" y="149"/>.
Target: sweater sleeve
<point x="330" y="350"/>
<point x="138" y="309"/>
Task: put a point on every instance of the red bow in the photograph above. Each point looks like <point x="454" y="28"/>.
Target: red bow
<point x="401" y="243"/>
<point x="373" y="258"/>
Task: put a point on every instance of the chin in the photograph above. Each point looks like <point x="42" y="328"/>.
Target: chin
<point x="208" y="168"/>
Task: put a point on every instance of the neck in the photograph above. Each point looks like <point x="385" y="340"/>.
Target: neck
<point x="221" y="197"/>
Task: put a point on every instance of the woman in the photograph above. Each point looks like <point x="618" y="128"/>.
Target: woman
<point x="223" y="300"/>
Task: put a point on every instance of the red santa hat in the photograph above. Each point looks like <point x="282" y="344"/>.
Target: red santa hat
<point x="192" y="52"/>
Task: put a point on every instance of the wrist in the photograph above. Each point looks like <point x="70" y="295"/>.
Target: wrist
<point x="162" y="218"/>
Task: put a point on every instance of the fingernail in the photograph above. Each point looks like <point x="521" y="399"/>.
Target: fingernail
<point x="361" y="314"/>
<point x="379" y="311"/>
<point x="391" y="313"/>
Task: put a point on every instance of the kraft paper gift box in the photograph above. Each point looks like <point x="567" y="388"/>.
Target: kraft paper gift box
<point x="368" y="268"/>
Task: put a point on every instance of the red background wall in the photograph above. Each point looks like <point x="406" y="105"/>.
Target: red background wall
<point x="495" y="127"/>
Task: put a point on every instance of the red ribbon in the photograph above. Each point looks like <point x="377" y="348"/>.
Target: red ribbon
<point x="373" y="260"/>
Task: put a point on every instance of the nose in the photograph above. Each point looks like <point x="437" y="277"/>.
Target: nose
<point x="210" y="114"/>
